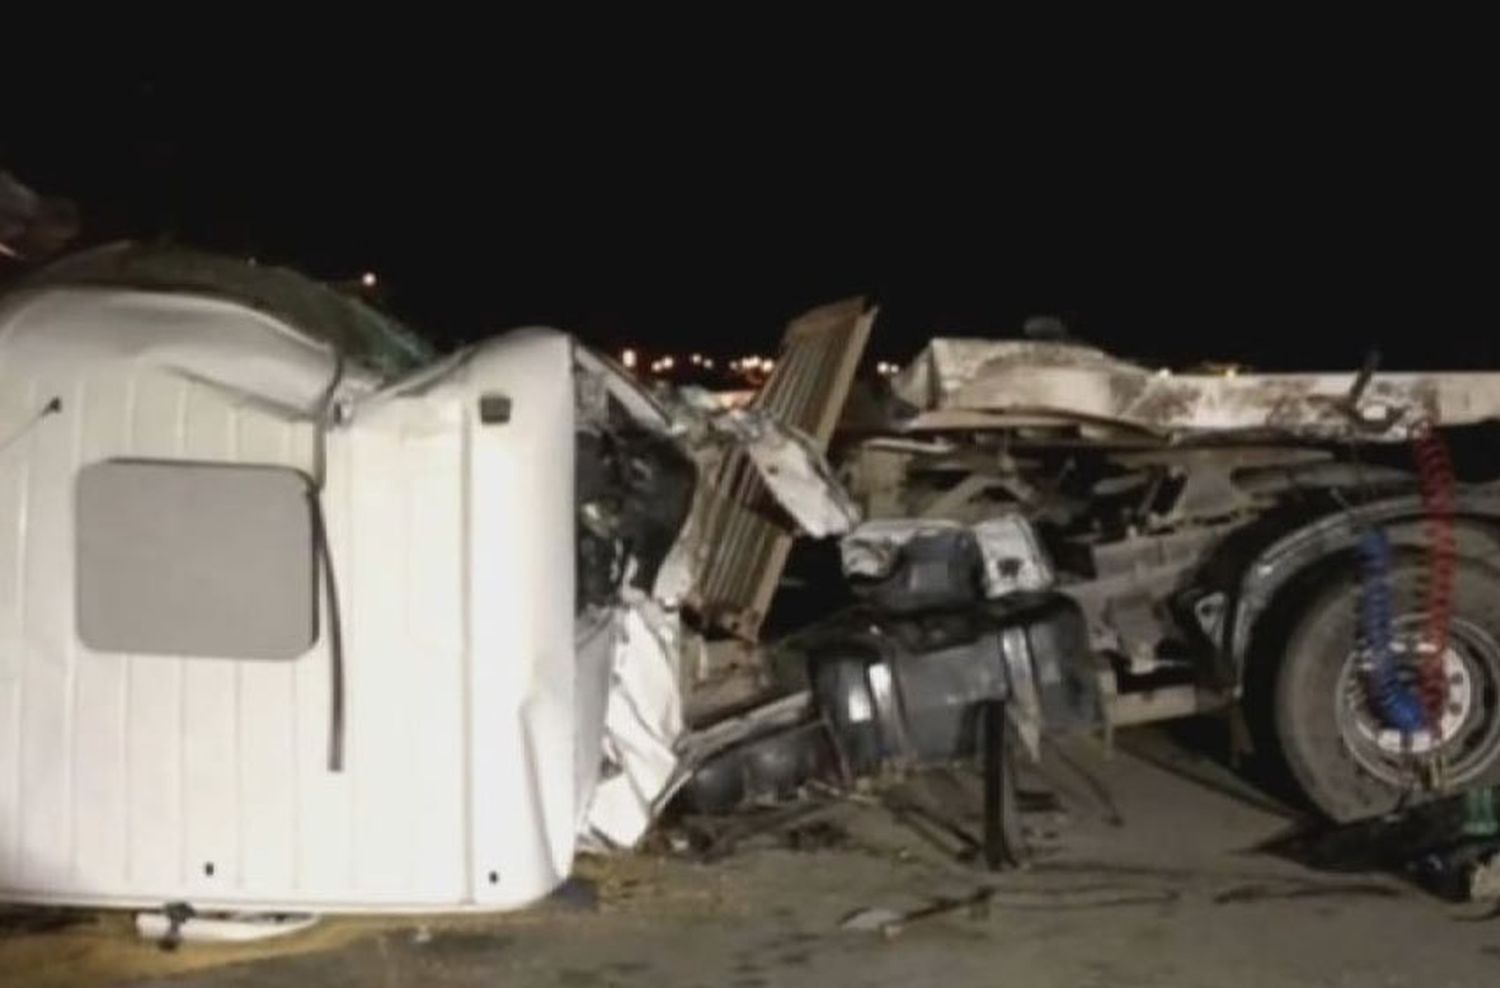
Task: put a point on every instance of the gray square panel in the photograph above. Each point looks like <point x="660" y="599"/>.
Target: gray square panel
<point x="195" y="559"/>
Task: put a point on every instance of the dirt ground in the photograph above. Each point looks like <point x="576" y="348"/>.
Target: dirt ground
<point x="1146" y="872"/>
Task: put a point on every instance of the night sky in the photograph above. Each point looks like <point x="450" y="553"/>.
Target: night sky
<point x="673" y="207"/>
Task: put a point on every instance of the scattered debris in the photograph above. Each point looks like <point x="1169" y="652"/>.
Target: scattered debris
<point x="889" y="923"/>
<point x="1303" y="890"/>
<point x="979" y="905"/>
<point x="886" y="922"/>
<point x="1449" y="847"/>
<point x="1484" y="880"/>
<point x="712" y="838"/>
<point x="816" y="835"/>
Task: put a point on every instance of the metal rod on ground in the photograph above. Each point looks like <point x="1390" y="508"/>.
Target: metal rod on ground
<point x="1002" y="829"/>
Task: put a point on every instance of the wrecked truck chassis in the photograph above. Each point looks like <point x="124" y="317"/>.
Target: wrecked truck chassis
<point x="1209" y="574"/>
<point x="884" y="692"/>
<point x="524" y="627"/>
<point x="1193" y="525"/>
<point x="1200" y="546"/>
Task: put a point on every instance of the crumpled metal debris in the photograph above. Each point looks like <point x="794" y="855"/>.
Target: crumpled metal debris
<point x="891" y="923"/>
<point x="1484" y="881"/>
<point x="794" y="471"/>
<point x="787" y="460"/>
<point x="1013" y="556"/>
<point x="642" y="723"/>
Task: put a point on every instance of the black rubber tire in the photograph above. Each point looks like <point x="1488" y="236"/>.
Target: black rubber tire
<point x="1321" y="638"/>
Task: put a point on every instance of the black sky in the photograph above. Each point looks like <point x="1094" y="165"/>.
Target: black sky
<point x="1283" y="222"/>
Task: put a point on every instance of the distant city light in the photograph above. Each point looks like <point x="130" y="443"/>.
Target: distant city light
<point x="697" y="359"/>
<point x="668" y="363"/>
<point x="708" y="362"/>
<point x="628" y="358"/>
<point x="368" y="279"/>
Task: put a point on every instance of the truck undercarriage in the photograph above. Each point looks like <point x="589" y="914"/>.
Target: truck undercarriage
<point x="1218" y="537"/>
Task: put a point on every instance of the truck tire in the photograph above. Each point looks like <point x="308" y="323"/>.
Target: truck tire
<point x="1347" y="763"/>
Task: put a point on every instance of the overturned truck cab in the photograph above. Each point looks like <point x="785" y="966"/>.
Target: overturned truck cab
<point x="294" y="616"/>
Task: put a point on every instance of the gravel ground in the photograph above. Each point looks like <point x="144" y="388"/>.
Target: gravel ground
<point x="1145" y="872"/>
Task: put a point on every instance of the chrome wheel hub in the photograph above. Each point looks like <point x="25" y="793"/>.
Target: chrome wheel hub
<point x="1466" y="737"/>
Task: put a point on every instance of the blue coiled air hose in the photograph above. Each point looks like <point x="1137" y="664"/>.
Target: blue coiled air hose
<point x="1393" y="699"/>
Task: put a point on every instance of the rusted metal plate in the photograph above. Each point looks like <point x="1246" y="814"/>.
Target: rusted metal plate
<point x="744" y="536"/>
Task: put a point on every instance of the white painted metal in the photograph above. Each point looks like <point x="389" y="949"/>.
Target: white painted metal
<point x="997" y="384"/>
<point x="138" y="779"/>
<point x="643" y="722"/>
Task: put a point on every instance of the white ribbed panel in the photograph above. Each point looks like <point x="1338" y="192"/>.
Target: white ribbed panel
<point x="124" y="777"/>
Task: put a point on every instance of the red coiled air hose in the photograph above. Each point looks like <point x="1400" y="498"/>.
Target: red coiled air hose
<point x="1435" y="473"/>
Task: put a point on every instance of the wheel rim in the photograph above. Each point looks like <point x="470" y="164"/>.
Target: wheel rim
<point x="1468" y="738"/>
